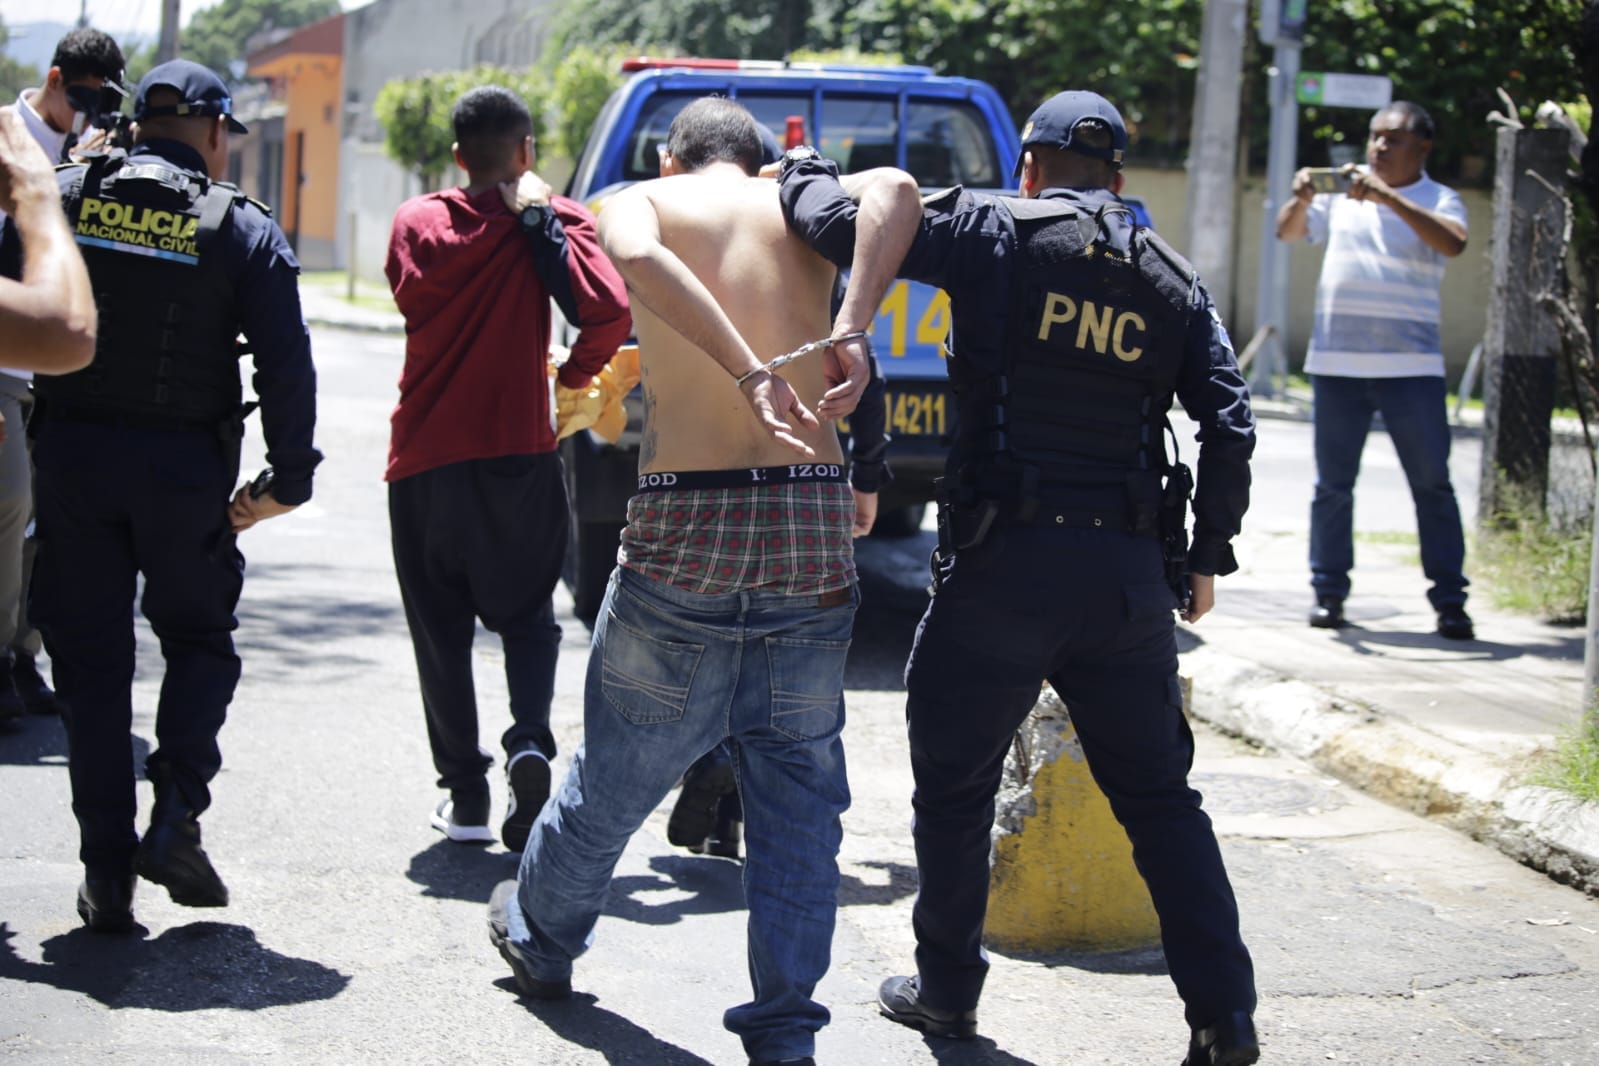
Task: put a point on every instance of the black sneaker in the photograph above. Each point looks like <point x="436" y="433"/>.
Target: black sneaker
<point x="1455" y="624"/>
<point x="900" y="1000"/>
<point x="694" y="816"/>
<point x="464" y="818"/>
<point x="724" y="840"/>
<point x="527" y="777"/>
<point x="500" y="936"/>
<point x="37" y="696"/>
<point x="1228" y="1042"/>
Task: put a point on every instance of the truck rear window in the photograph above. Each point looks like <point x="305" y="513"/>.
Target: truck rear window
<point x="947" y="142"/>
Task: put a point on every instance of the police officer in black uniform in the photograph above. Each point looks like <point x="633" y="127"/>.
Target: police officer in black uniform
<point x="137" y="457"/>
<point x="1061" y="547"/>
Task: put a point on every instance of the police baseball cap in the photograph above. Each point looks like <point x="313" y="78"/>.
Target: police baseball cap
<point x="1058" y="118"/>
<point x="202" y="93"/>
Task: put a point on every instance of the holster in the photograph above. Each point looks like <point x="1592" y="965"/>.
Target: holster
<point x="1173" y="529"/>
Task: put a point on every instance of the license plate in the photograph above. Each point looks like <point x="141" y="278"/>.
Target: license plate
<point x="915" y="413"/>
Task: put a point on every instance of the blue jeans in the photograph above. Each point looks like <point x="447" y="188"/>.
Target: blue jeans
<point x="1413" y="411"/>
<point x="671" y="675"/>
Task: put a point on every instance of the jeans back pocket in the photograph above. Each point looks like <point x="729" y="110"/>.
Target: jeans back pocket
<point x="807" y="686"/>
<point x="645" y="678"/>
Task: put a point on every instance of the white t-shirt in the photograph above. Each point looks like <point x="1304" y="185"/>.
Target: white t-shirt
<point x="1377" y="303"/>
<point x="51" y="142"/>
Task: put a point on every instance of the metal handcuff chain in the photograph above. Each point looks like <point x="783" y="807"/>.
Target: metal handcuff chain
<point x="804" y="349"/>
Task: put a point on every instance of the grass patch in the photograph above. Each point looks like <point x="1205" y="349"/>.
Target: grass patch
<point x="1537" y="568"/>
<point x="1389" y="536"/>
<point x="1573" y="767"/>
<point x="336" y="283"/>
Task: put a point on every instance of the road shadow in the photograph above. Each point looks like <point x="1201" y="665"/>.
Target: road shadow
<point x="979" y="1052"/>
<point x="199" y="966"/>
<point x="41" y="740"/>
<point x="582" y="1022"/>
<point x="902" y="883"/>
<point x="711" y="885"/>
<point x="1372" y="642"/>
<point x="447" y="870"/>
<point x="284" y="632"/>
<point x="1145" y="961"/>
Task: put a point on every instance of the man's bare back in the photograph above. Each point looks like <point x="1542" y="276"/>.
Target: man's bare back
<point x="728" y="230"/>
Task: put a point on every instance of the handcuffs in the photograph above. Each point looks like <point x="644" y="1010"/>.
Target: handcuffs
<point x="804" y="349"/>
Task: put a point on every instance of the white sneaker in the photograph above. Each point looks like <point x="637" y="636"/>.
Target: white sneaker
<point x="461" y="822"/>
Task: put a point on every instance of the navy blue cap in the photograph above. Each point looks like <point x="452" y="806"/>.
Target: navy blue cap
<point x="202" y="92"/>
<point x="1059" y="116"/>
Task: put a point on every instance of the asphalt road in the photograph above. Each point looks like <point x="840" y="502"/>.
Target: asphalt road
<point x="356" y="933"/>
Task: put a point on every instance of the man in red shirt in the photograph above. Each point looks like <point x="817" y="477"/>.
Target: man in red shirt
<point x="477" y="495"/>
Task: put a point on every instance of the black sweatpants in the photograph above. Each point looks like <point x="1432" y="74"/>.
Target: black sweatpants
<point x="481" y="539"/>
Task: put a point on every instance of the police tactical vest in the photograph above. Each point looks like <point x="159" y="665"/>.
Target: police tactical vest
<point x="1095" y="340"/>
<point x="150" y="234"/>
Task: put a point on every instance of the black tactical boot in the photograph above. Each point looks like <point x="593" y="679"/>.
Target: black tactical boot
<point x="170" y="854"/>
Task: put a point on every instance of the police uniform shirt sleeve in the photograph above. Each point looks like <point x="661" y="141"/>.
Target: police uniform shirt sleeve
<point x="585" y="285"/>
<point x="1212" y="391"/>
<point x="960" y="235"/>
<point x="268" y="297"/>
<point x="868" y="450"/>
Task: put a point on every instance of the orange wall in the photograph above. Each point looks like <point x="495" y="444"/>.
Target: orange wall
<point x="312" y="99"/>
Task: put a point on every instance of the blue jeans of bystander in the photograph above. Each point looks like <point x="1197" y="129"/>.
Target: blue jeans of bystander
<point x="1413" y="412"/>
<point x="671" y="674"/>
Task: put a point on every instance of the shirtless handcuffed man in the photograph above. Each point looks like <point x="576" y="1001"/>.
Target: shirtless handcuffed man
<point x="729" y="616"/>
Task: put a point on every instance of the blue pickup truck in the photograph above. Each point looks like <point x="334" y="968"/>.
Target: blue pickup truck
<point x="945" y="130"/>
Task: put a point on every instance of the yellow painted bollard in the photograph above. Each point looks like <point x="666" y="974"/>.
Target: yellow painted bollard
<point x="1063" y="874"/>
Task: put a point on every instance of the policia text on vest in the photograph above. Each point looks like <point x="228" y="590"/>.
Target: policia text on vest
<point x="132" y="227"/>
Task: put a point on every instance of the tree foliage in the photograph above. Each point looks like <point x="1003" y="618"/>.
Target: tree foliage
<point x="415" y="113"/>
<point x="218" y="36"/>
<point x="1447" y="55"/>
<point x="579" y="86"/>
<point x="15" y="75"/>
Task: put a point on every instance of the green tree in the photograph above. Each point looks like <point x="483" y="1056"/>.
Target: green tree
<point x="1447" y="55"/>
<point x="723" y="29"/>
<point x="15" y="75"/>
<point x="415" y="113"/>
<point x="218" y="37"/>
<point x="579" y="86"/>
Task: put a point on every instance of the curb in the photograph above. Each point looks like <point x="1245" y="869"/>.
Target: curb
<point x="361" y="326"/>
<point x="1400" y="764"/>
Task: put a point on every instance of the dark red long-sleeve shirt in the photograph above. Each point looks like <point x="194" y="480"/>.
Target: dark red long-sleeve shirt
<point x="475" y="290"/>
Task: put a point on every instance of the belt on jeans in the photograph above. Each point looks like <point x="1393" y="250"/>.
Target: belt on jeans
<point x="836" y="598"/>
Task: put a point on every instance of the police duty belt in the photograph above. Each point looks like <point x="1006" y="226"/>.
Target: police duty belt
<point x="804" y="349"/>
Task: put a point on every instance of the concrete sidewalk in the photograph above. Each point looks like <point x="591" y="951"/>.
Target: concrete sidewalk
<point x="1443" y="728"/>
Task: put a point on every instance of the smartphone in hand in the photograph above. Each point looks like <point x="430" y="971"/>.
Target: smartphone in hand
<point x="1329" y="179"/>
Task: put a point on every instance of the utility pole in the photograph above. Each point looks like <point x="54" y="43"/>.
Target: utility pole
<point x="83" y="14"/>
<point x="1282" y="26"/>
<point x="1213" y="159"/>
<point x="167" y="46"/>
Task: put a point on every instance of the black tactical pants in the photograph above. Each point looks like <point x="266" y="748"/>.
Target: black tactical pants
<point x="114" y="503"/>
<point x="1087" y="609"/>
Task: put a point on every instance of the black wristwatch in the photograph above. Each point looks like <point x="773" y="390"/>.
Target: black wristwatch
<point x="803" y="153"/>
<point x="534" y="216"/>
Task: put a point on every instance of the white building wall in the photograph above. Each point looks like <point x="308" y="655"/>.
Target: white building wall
<point x="392" y="39"/>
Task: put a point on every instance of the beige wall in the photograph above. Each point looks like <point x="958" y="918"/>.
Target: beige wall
<point x="1466" y="282"/>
